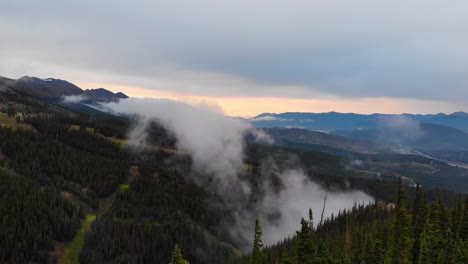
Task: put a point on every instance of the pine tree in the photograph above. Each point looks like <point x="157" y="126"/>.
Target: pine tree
<point x="464" y="223"/>
<point x="177" y="256"/>
<point x="257" y="253"/>
<point x="432" y="239"/>
<point x="348" y="256"/>
<point x="457" y="216"/>
<point x="401" y="241"/>
<point x="305" y="250"/>
<point x="419" y="220"/>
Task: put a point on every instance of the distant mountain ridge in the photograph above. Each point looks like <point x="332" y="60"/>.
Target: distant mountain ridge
<point x="426" y="137"/>
<point x="51" y="89"/>
<point x="103" y="95"/>
<point x="300" y="137"/>
<point x="343" y="121"/>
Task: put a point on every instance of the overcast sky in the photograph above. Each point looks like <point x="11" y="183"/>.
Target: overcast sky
<point x="249" y="56"/>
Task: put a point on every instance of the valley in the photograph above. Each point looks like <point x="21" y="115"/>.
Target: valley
<point x="126" y="189"/>
<point x="233" y="132"/>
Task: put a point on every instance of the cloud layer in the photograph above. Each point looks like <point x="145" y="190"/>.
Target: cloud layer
<point x="215" y="143"/>
<point x="302" y="49"/>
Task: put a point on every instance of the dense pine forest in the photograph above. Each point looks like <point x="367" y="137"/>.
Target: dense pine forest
<point x="401" y="232"/>
<point x="233" y="132"/>
<point x="32" y="217"/>
<point x="68" y="179"/>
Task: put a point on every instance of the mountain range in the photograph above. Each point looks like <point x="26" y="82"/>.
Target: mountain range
<point x="433" y="134"/>
<point x="332" y="121"/>
<point x="440" y="136"/>
<point x="54" y="90"/>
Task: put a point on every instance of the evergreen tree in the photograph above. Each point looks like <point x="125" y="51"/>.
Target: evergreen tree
<point x="419" y="220"/>
<point x="464" y="223"/>
<point x="257" y="253"/>
<point x="348" y="256"/>
<point x="177" y="256"/>
<point x="432" y="239"/>
<point x="305" y="249"/>
<point x="401" y="242"/>
<point x="457" y="216"/>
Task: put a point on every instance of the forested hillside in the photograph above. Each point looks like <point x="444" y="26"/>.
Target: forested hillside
<point x="73" y="191"/>
<point x="32" y="217"/>
<point x="402" y="232"/>
<point x="158" y="210"/>
<point x="48" y="174"/>
<point x="233" y="132"/>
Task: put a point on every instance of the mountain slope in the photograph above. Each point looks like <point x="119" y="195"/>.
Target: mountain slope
<point x="342" y="121"/>
<point x="423" y="137"/>
<point x="291" y="136"/>
<point x="6" y="84"/>
<point x="49" y="88"/>
<point x="53" y="90"/>
<point x="103" y="95"/>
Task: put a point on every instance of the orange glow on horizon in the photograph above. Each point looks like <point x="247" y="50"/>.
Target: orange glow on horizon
<point x="252" y="106"/>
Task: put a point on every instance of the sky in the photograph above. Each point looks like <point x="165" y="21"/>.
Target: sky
<point x="249" y="57"/>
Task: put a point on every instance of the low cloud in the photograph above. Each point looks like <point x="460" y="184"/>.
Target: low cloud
<point x="399" y="129"/>
<point x="74" y="98"/>
<point x="293" y="201"/>
<point x="215" y="142"/>
<point x="278" y="197"/>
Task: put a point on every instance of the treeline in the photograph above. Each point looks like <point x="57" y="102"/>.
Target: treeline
<point x="36" y="168"/>
<point x="32" y="218"/>
<point x="80" y="139"/>
<point x="403" y="232"/>
<point x="159" y="210"/>
<point x="55" y="157"/>
<point x="108" y="126"/>
<point x="328" y="171"/>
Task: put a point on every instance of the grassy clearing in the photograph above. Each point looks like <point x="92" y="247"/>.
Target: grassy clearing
<point x="77" y="128"/>
<point x="124" y="187"/>
<point x="11" y="122"/>
<point x="90" y="130"/>
<point x="73" y="250"/>
<point x="169" y="151"/>
<point x="121" y="142"/>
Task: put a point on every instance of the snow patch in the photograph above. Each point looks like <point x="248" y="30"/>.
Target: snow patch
<point x="264" y="118"/>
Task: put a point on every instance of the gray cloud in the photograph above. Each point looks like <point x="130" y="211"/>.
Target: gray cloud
<point x="215" y="142"/>
<point x="74" y="98"/>
<point x="294" y="48"/>
<point x="292" y="202"/>
<point x="216" y="145"/>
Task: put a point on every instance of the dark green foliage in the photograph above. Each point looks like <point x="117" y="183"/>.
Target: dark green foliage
<point x="257" y="253"/>
<point x="420" y="211"/>
<point x="305" y="242"/>
<point x="464" y="222"/>
<point x="31" y="218"/>
<point x="159" y="210"/>
<point x="401" y="240"/>
<point x="162" y="208"/>
<point x="51" y="161"/>
<point x="39" y="165"/>
<point x="380" y="233"/>
<point x="176" y="257"/>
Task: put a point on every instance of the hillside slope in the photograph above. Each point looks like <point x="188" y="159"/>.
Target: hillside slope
<point x="344" y="121"/>
<point x="289" y="136"/>
<point x="424" y="137"/>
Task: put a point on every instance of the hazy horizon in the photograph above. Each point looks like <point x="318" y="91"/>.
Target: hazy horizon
<point x="246" y="58"/>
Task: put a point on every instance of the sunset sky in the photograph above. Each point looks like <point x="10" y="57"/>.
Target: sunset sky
<point x="249" y="57"/>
